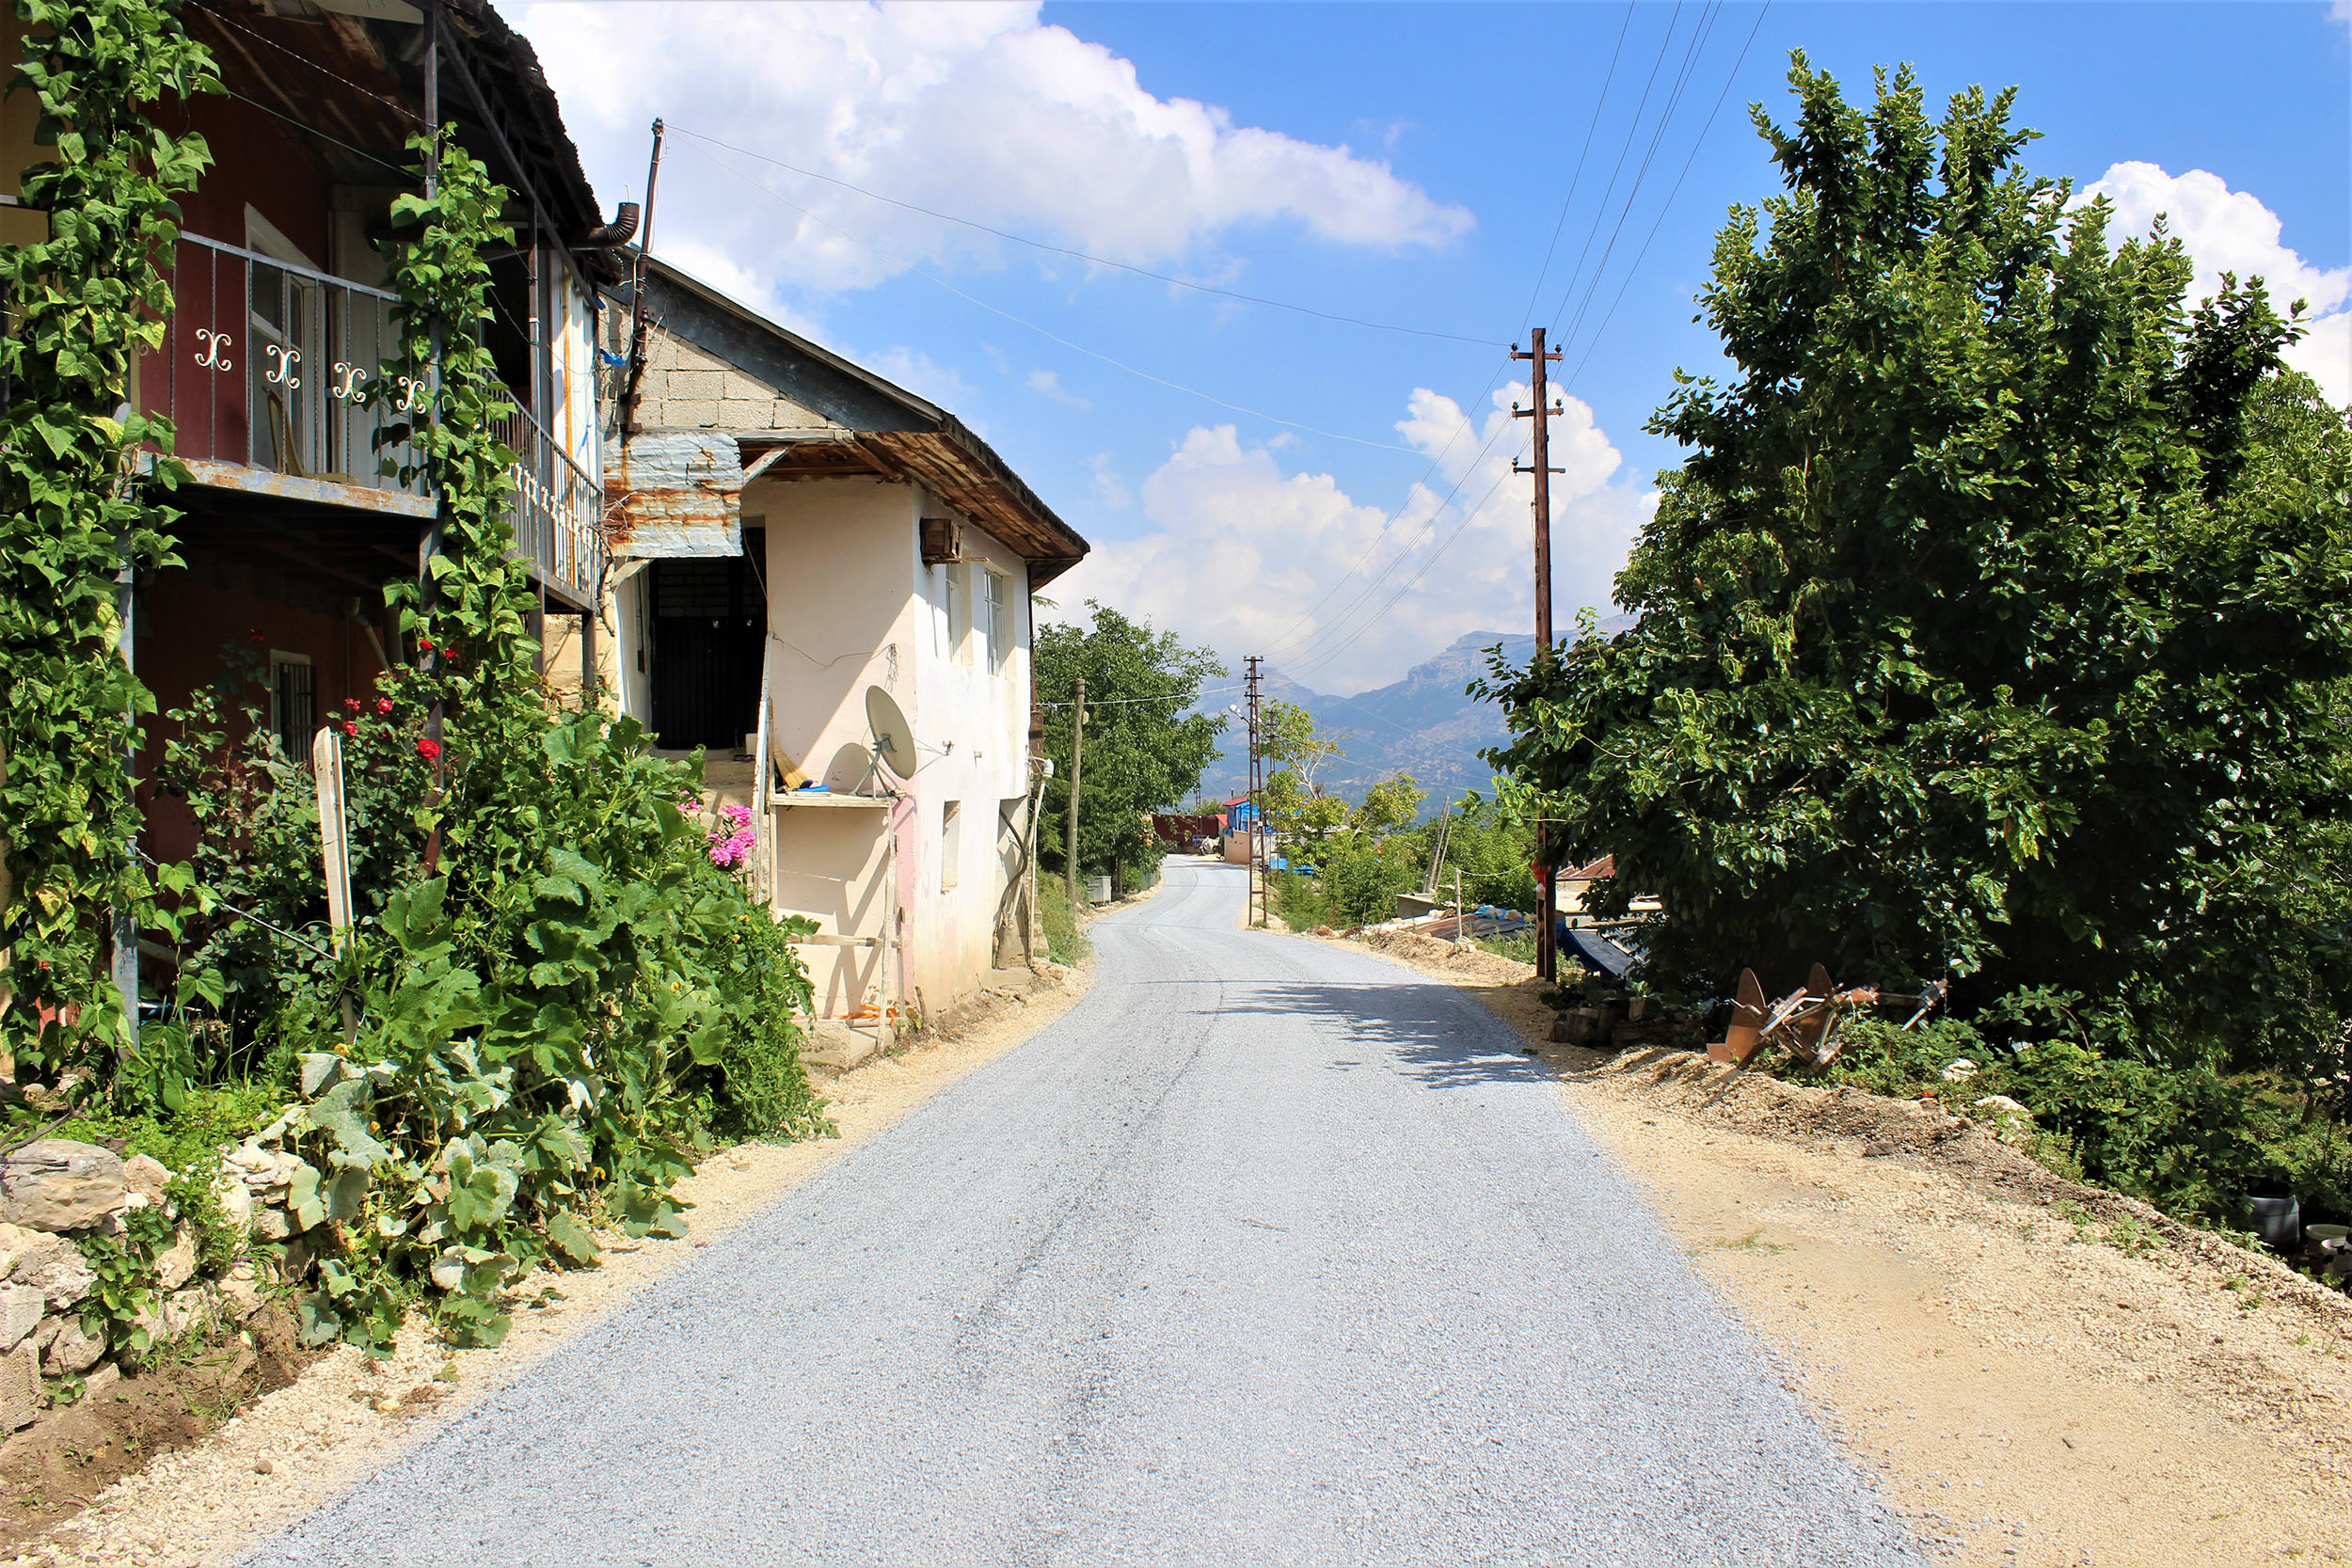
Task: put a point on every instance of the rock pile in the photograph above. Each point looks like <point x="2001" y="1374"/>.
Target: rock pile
<point x="56" y="1196"/>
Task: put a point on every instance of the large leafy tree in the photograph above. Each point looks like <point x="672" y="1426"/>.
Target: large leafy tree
<point x="1995" y="625"/>
<point x="1145" y="749"/>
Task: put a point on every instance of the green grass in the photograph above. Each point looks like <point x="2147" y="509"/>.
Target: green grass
<point x="1063" y="943"/>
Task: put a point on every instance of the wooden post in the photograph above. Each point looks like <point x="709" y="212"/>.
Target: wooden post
<point x="1458" y="917"/>
<point x="327" y="769"/>
<point x="1078" y="758"/>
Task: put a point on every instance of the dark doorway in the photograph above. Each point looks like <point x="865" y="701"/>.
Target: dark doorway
<point x="709" y="628"/>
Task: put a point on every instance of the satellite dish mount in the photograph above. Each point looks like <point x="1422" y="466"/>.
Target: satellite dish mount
<point x="894" y="740"/>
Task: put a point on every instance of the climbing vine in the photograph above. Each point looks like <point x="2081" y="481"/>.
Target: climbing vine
<point x="574" y="987"/>
<point x="76" y="512"/>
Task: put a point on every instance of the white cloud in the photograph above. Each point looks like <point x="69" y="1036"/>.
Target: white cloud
<point x="2227" y="230"/>
<point x="919" y="374"/>
<point x="1110" y="485"/>
<point x="1048" y="384"/>
<point x="976" y="109"/>
<point x="1244" y="553"/>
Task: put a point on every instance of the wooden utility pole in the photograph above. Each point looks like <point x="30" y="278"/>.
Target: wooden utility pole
<point x="1256" y="909"/>
<point x="1078" y="758"/>
<point x="1548" y="900"/>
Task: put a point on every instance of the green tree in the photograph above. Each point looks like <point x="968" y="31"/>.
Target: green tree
<point x="1145" y="750"/>
<point x="1994" y="626"/>
<point x="1295" y="749"/>
<point x="1391" y="803"/>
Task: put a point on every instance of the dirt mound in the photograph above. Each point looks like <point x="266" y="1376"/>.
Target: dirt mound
<point x="1429" y="952"/>
<point x="1920" y="1133"/>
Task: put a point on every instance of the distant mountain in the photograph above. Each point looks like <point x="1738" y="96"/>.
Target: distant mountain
<point x="1423" y="725"/>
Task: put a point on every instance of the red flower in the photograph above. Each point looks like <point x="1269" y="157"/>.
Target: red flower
<point x="429" y="748"/>
<point x="383" y="704"/>
<point x="424" y="644"/>
<point x="351" y="705"/>
<point x="350" y="728"/>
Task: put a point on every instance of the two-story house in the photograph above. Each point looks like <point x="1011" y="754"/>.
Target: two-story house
<point x="786" y="523"/>
<point x="281" y="323"/>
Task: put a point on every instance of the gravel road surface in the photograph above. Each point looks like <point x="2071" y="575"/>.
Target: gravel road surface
<point x="1267" y="1252"/>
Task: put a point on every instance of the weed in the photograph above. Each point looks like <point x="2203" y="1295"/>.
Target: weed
<point x="1752" y="1242"/>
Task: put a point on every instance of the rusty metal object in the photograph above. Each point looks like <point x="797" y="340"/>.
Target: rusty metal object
<point x="1745" y="1036"/>
<point x="1806" y="1023"/>
<point x="672" y="494"/>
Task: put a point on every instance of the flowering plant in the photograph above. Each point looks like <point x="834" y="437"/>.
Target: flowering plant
<point x="732" y="838"/>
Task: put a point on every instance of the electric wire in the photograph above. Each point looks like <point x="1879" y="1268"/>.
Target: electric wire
<point x="1324" y="657"/>
<point x="1080" y="255"/>
<point x="1050" y="336"/>
<point x="1291" y="632"/>
<point x="1633" y="129"/>
<point x="227" y="20"/>
<point x="1307" y="646"/>
<point x="1609" y="80"/>
<point x="1699" y="35"/>
<point x="1593" y="342"/>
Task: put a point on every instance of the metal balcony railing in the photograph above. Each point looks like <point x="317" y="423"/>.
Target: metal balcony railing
<point x="556" y="509"/>
<point x="268" y="365"/>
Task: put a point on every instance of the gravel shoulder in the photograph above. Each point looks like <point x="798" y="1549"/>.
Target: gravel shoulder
<point x="345" y="1416"/>
<point x="2039" y="1372"/>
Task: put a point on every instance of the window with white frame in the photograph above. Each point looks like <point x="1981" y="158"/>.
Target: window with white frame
<point x="958" y="607"/>
<point x="996" y="589"/>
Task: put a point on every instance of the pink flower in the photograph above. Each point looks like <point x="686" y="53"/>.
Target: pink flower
<point x="383" y="704"/>
<point x="429" y="748"/>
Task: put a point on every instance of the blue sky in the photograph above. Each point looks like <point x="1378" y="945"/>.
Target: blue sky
<point x="1335" y="499"/>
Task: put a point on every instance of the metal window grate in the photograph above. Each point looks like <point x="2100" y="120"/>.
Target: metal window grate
<point x="294" y="707"/>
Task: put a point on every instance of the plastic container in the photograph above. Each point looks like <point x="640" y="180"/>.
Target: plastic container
<point x="2277" y="1218"/>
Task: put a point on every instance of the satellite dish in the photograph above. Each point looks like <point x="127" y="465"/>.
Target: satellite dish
<point x="849" y="769"/>
<point x="893" y="737"/>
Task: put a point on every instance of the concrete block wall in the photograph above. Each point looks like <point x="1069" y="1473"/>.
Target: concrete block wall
<point x="688" y="387"/>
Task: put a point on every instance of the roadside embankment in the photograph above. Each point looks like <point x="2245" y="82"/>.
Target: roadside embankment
<point x="2041" y="1372"/>
<point x="283" y="1454"/>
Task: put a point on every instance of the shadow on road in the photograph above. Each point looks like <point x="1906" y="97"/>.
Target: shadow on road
<point x="1424" y="1028"/>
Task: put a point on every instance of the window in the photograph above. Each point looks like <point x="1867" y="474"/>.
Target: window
<point x="950" y="843"/>
<point x="997" y="592"/>
<point x="292" y="703"/>
<point x="958" y="607"/>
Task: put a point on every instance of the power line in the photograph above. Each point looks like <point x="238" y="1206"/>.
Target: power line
<point x="1633" y="133"/>
<point x="1632" y="127"/>
<point x="1607" y="82"/>
<point x="1699" y="36"/>
<point x="1331" y="653"/>
<point x="1593" y="342"/>
<point x="1042" y="332"/>
<point x="1086" y="256"/>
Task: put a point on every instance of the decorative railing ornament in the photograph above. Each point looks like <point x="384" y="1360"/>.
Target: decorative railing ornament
<point x="215" y="356"/>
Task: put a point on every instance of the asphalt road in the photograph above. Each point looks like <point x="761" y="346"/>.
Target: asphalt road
<point x="1267" y="1252"/>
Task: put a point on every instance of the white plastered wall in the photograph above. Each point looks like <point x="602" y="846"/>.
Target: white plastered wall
<point x="852" y="605"/>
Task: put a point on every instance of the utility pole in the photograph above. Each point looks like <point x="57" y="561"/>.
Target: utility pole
<point x="1257" y="811"/>
<point x="1547" y="874"/>
<point x="1077" y="757"/>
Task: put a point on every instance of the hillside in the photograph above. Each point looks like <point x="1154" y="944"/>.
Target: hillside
<point x="1424" y="724"/>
